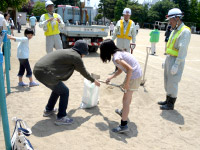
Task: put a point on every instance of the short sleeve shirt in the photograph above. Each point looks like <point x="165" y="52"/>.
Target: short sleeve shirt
<point x="129" y="59"/>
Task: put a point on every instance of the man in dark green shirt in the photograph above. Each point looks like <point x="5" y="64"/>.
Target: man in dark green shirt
<point x="56" y="67"/>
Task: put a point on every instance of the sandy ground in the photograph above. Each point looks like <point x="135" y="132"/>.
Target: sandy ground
<point x="150" y="127"/>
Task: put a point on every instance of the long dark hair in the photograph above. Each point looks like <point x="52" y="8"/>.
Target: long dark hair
<point x="107" y="49"/>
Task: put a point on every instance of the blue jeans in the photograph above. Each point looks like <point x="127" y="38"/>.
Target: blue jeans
<point x="59" y="90"/>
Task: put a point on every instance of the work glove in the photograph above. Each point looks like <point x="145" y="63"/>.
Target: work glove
<point x="174" y="69"/>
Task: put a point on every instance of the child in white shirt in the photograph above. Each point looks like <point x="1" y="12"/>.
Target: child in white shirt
<point x="23" y="55"/>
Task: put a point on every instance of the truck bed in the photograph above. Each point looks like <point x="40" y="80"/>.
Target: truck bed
<point x="85" y="31"/>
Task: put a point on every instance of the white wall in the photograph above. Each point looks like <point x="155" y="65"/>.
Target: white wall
<point x="23" y="17"/>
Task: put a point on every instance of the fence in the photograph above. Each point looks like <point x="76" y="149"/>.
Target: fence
<point x="3" y="107"/>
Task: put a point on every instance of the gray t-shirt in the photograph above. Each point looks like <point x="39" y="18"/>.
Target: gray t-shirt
<point x="59" y="66"/>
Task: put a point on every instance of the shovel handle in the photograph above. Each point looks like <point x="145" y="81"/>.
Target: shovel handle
<point x="122" y="89"/>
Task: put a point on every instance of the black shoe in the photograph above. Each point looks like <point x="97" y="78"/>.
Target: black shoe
<point x="120" y="129"/>
<point x="169" y="105"/>
<point x="164" y="102"/>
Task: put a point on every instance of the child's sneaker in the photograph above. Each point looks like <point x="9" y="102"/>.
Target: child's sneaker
<point x="48" y="113"/>
<point x="64" y="121"/>
<point x="33" y="84"/>
<point x="22" y="84"/>
<point x="120" y="129"/>
<point x="118" y="111"/>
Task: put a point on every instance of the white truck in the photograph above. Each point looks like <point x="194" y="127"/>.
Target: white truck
<point x="78" y="26"/>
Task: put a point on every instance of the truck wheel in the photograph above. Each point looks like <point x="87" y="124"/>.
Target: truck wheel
<point x="93" y="48"/>
<point x="65" y="44"/>
<point x="64" y="41"/>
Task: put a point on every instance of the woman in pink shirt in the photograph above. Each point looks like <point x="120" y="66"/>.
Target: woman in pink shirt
<point x="125" y="62"/>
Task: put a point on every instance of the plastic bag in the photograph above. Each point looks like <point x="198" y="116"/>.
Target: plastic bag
<point x="90" y="95"/>
<point x="19" y="140"/>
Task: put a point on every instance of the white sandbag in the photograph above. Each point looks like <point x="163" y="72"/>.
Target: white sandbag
<point x="90" y="95"/>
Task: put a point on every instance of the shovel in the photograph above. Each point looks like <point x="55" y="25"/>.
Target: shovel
<point x="95" y="76"/>
<point x="145" y="66"/>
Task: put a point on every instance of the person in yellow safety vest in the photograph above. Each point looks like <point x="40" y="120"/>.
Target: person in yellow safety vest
<point x="50" y="22"/>
<point x="176" y="52"/>
<point x="125" y="31"/>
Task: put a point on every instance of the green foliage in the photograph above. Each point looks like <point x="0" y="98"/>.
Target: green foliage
<point x="184" y="6"/>
<point x="198" y="17"/>
<point x="67" y="2"/>
<point x="139" y="12"/>
<point x="118" y="10"/>
<point x="16" y="4"/>
<point x="98" y="16"/>
<point x="158" y="11"/>
<point x="109" y="11"/>
<point x="39" y="8"/>
<point x="27" y="7"/>
<point x="193" y="10"/>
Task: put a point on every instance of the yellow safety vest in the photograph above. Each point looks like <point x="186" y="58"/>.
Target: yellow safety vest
<point x="122" y="35"/>
<point x="171" y="50"/>
<point x="51" y="31"/>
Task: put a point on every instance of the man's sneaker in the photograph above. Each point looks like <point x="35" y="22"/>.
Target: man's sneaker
<point x="33" y="84"/>
<point x="118" y="111"/>
<point x="64" y="121"/>
<point x="22" y="84"/>
<point x="120" y="129"/>
<point x="48" y="113"/>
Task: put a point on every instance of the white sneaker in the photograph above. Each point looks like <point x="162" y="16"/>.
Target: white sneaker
<point x="118" y="111"/>
<point x="63" y="121"/>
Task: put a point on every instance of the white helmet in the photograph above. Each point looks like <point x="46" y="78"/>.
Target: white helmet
<point x="48" y="3"/>
<point x="127" y="11"/>
<point x="174" y="13"/>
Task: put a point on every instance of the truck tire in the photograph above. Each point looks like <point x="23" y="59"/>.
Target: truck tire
<point x="93" y="48"/>
<point x="64" y="41"/>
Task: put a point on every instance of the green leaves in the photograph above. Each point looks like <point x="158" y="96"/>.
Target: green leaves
<point x="16" y="4"/>
<point x="39" y="8"/>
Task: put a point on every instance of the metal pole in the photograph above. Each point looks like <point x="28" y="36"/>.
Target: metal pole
<point x="9" y="52"/>
<point x="3" y="107"/>
<point x="7" y="67"/>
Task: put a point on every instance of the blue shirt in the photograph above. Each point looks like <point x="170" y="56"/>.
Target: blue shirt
<point x="32" y="20"/>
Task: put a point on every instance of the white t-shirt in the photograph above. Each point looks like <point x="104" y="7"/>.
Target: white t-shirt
<point x="129" y="59"/>
<point x="23" y="47"/>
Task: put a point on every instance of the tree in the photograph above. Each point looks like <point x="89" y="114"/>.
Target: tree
<point x="118" y="10"/>
<point x="139" y="12"/>
<point x="39" y="8"/>
<point x="158" y="11"/>
<point x="16" y="4"/>
<point x="67" y="2"/>
<point x="28" y="7"/>
<point x="102" y="5"/>
<point x="184" y="6"/>
<point x="109" y="11"/>
<point x="198" y="17"/>
<point x="193" y="11"/>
